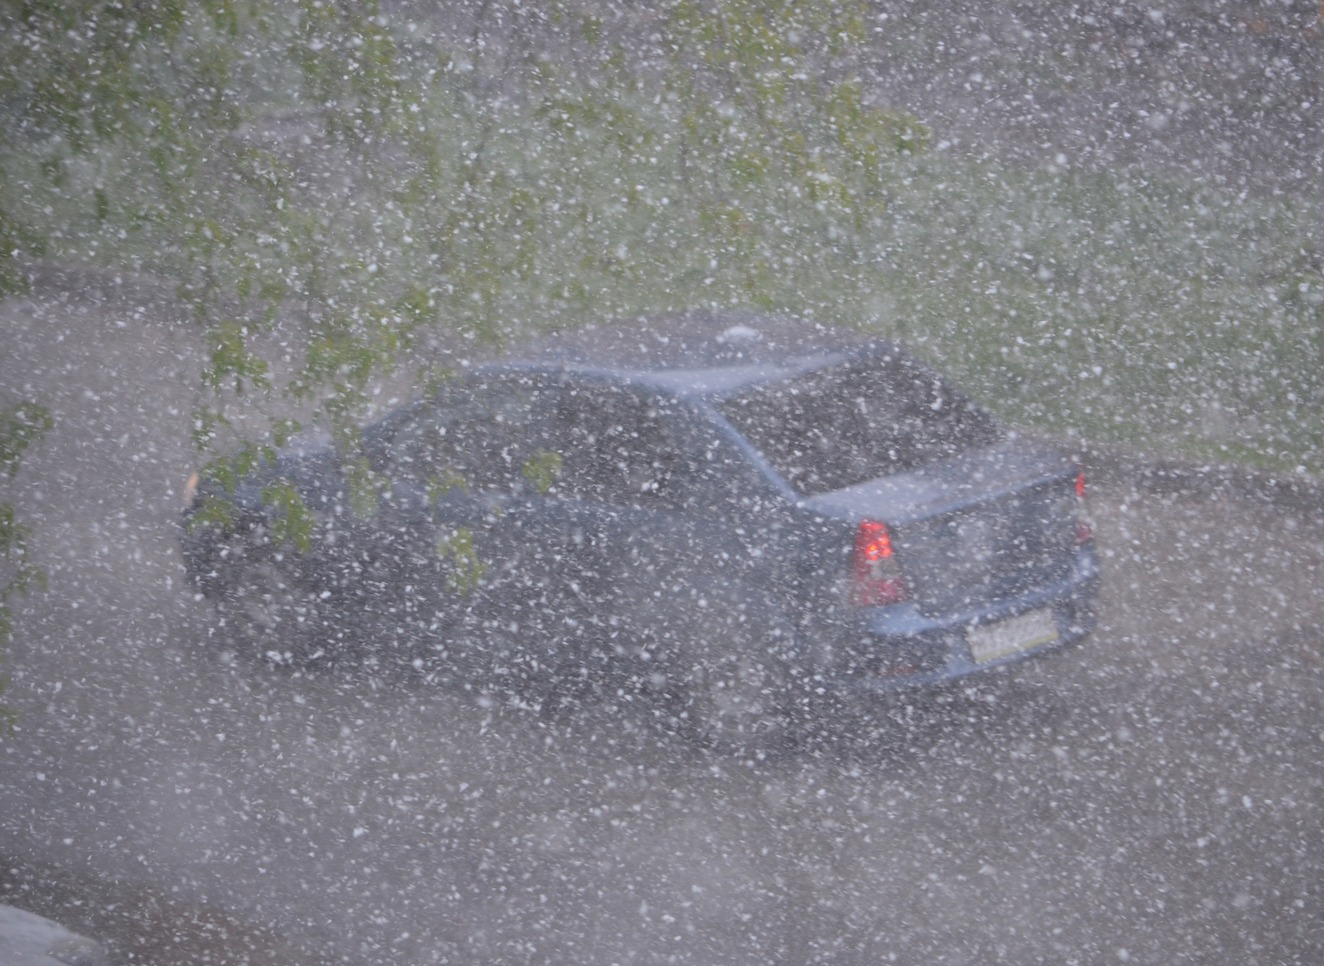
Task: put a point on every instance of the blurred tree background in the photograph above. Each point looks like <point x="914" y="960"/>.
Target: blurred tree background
<point x="327" y="188"/>
<point x="336" y="190"/>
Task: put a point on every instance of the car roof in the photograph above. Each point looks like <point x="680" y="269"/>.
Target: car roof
<point x="705" y="353"/>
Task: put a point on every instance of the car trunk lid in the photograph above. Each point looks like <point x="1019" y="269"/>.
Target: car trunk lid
<point x="987" y="524"/>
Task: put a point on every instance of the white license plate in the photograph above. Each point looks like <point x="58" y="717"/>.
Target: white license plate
<point x="989" y="642"/>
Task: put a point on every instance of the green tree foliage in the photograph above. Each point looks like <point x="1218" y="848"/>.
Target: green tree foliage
<point x="331" y="188"/>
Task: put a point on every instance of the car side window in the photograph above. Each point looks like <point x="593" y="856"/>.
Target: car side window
<point x="616" y="447"/>
<point x="484" y="437"/>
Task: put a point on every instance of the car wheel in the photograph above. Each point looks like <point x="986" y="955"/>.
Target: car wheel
<point x="270" y="612"/>
<point x="739" y="704"/>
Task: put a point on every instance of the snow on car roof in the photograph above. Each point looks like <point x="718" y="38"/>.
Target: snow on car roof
<point x="699" y="351"/>
<point x="694" y="339"/>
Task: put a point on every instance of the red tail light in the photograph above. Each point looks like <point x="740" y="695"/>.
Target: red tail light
<point x="1084" y="528"/>
<point x="876" y="575"/>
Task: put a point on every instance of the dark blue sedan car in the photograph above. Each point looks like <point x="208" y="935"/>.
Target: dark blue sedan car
<point x="745" y="517"/>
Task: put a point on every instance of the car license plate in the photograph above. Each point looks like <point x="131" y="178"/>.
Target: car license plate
<point x="1021" y="633"/>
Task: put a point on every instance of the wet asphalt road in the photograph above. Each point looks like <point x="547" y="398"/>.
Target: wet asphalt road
<point x="1153" y="796"/>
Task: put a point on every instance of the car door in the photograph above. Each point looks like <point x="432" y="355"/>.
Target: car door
<point x="626" y="509"/>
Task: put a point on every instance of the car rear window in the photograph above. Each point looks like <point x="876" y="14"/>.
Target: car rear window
<point x="854" y="422"/>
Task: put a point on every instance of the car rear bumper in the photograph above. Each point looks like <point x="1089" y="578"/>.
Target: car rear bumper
<point x="901" y="648"/>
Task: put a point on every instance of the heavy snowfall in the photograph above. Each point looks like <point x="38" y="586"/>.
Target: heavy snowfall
<point x="1105" y="221"/>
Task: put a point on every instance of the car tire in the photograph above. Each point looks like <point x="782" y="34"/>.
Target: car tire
<point x="270" y="612"/>
<point x="740" y="702"/>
